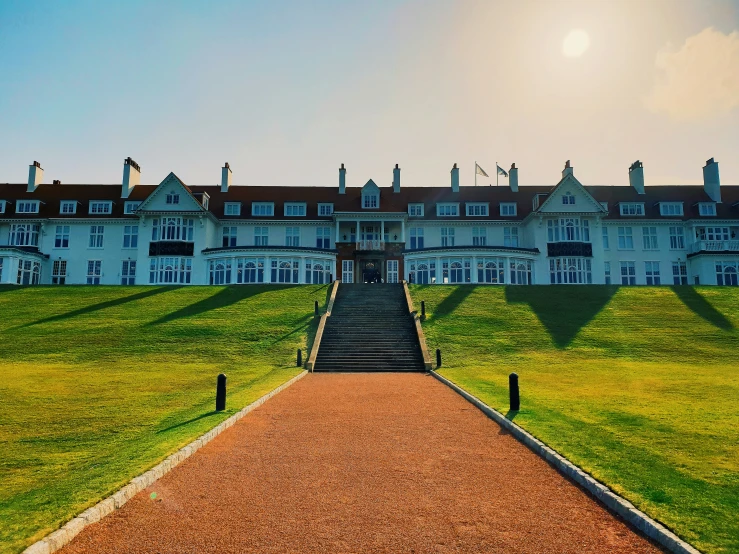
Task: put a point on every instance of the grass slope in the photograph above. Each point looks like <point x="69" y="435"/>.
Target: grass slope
<point x="639" y="386"/>
<point x="97" y="384"/>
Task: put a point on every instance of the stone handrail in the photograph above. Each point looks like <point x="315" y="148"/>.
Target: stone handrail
<point x="321" y="326"/>
<point x="715" y="246"/>
<point x="419" y="330"/>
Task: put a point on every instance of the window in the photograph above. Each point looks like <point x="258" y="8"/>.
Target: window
<point x="100" y="207"/>
<point x="479" y="236"/>
<point x="318" y="272"/>
<point x="24" y="234"/>
<point x="712" y="233"/>
<point x="220" y="272"/>
<point x="59" y="272"/>
<point x="447" y="210"/>
<point x="323" y="237"/>
<point x="294" y="209"/>
<point x="130" y="236"/>
<point x="491" y="270"/>
<point x="671" y="208"/>
<point x="416" y="238"/>
<point x="457" y="270"/>
<point x="680" y="273"/>
<point x="510" y="236"/>
<point x="67" y="207"/>
<point x="3" y="203"/>
<point x="727" y="273"/>
<point x="570" y="271"/>
<point x="232" y="208"/>
<point x="292" y="236"/>
<point x="261" y="236"/>
<point x="632" y="208"/>
<point x="422" y="272"/>
<point x="263" y="209"/>
<point x="370" y="200"/>
<point x="173" y="198"/>
<point x="205" y="200"/>
<point x="415" y="210"/>
<point x="131" y="207"/>
<point x="61" y="239"/>
<point x="96" y="236"/>
<point x="508" y="209"/>
<point x="166" y="270"/>
<point x="94" y="271"/>
<point x="29" y="272"/>
<point x="477" y="210"/>
<point x="628" y="273"/>
<point x="27" y="207"/>
<point x="652" y="273"/>
<point x="229" y="237"/>
<point x="606" y="241"/>
<point x="707" y="209"/>
<point x="1" y="270"/>
<point x="607" y="271"/>
<point x="250" y="270"/>
<point x="649" y="238"/>
<point x="677" y="238"/>
<point x="285" y="270"/>
<point x="325" y="209"/>
<point x="447" y="236"/>
<point x="568" y="198"/>
<point x="625" y="238"/>
<point x="128" y="272"/>
<point x="521" y="272"/>
<point x="568" y="229"/>
<point x="172" y="228"/>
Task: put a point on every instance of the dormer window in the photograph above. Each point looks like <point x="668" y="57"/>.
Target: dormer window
<point x="508" y="209"/>
<point x="415" y="210"/>
<point x="173" y="198"/>
<point x="294" y="209"/>
<point x="706" y="209"/>
<point x="27" y="207"/>
<point x="232" y="208"/>
<point x="632" y="208"/>
<point x="100" y="207"/>
<point x="131" y="207"/>
<point x="3" y="203"/>
<point x="568" y="198"/>
<point x="671" y="208"/>
<point x="68" y="207"/>
<point x="604" y="205"/>
<point x="477" y="209"/>
<point x="447" y="210"/>
<point x="370" y="200"/>
<point x="325" y="209"/>
<point x="263" y="209"/>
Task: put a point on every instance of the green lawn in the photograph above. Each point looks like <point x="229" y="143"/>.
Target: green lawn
<point x="98" y="384"/>
<point x="639" y="386"/>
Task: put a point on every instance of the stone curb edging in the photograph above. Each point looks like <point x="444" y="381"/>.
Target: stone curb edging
<point x="311" y="362"/>
<point x="419" y="330"/>
<point x="613" y="502"/>
<point x="61" y="537"/>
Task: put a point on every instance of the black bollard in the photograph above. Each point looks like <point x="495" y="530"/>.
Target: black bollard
<point x="316" y="307"/>
<point x="221" y="393"/>
<point x="513" y="390"/>
<point x="300" y="357"/>
<point x="438" y="357"/>
<point x="423" y="309"/>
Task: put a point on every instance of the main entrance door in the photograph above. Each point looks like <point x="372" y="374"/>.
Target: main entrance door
<point x="371" y="271"/>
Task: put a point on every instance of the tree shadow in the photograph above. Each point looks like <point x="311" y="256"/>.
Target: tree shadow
<point x="563" y="309"/>
<point x="193" y="420"/>
<point x="100" y="306"/>
<point x="303" y="323"/>
<point x="226" y="297"/>
<point x="694" y="301"/>
<point x="450" y="303"/>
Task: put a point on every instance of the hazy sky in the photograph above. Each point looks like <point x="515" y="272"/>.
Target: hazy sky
<point x="286" y="91"/>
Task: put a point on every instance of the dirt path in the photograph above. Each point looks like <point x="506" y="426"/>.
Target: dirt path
<point x="362" y="463"/>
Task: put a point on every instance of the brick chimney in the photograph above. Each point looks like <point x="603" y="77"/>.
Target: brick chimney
<point x="225" y="177"/>
<point x="711" y="181"/>
<point x="455" y="178"/>
<point x="35" y="176"/>
<point x="513" y="177"/>
<point x="636" y="176"/>
<point x="131" y="176"/>
<point x="396" y="179"/>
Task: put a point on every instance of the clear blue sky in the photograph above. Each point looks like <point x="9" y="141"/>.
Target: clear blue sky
<point x="286" y="91"/>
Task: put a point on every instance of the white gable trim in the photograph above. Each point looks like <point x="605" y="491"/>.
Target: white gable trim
<point x="169" y="180"/>
<point x="570" y="179"/>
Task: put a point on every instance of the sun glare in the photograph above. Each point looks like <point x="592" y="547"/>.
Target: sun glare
<point x="575" y="43"/>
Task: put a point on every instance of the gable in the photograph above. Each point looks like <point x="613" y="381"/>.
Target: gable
<point x="370" y="188"/>
<point x="171" y="185"/>
<point x="569" y="196"/>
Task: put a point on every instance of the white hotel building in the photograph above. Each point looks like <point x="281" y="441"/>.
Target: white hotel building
<point x="172" y="233"/>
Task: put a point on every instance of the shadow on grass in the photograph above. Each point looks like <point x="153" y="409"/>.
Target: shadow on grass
<point x="562" y="309"/>
<point x="100" y="306"/>
<point x="226" y="297"/>
<point x="303" y="323"/>
<point x="511" y="414"/>
<point x="193" y="420"/>
<point x="701" y="307"/>
<point x="450" y="303"/>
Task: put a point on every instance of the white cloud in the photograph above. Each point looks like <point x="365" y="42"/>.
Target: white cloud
<point x="700" y="80"/>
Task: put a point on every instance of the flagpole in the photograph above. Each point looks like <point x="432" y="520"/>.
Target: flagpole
<point x="475" y="172"/>
<point x="496" y="174"/>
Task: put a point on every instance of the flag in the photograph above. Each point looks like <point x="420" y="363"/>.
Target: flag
<point x="480" y="171"/>
<point x="501" y="171"/>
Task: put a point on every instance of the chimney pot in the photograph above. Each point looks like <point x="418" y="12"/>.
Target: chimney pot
<point x="56" y="182"/>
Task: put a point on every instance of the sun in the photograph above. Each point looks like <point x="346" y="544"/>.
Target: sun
<point x="575" y="43"/>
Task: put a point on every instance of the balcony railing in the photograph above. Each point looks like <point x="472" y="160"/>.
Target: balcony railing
<point x="715" y="246"/>
<point x="371" y="245"/>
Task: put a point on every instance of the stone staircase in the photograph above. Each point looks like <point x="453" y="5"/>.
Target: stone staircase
<point x="369" y="329"/>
